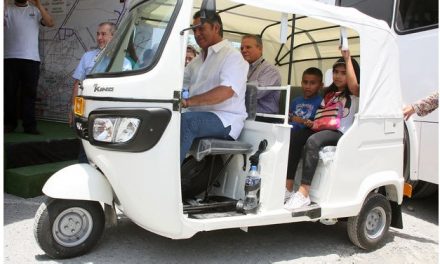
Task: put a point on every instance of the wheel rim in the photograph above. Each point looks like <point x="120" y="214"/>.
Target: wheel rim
<point x="72" y="226"/>
<point x="375" y="222"/>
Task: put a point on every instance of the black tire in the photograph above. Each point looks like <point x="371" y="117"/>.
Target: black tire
<point x="68" y="228"/>
<point x="367" y="230"/>
<point x="195" y="174"/>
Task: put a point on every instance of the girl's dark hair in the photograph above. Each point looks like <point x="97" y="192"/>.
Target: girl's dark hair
<point x="357" y="71"/>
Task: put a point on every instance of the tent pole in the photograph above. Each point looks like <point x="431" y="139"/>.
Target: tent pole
<point x="289" y="80"/>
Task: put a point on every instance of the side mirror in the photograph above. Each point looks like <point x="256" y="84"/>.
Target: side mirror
<point x="207" y="10"/>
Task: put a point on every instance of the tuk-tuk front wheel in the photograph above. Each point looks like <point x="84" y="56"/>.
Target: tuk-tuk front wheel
<point x="68" y="228"/>
<point x="369" y="227"/>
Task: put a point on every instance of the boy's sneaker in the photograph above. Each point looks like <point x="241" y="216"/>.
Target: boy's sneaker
<point x="287" y="195"/>
<point x="297" y="200"/>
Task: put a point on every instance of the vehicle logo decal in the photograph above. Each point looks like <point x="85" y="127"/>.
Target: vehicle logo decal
<point x="102" y="89"/>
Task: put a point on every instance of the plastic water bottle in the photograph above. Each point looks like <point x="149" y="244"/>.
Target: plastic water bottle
<point x="252" y="189"/>
<point x="185" y="93"/>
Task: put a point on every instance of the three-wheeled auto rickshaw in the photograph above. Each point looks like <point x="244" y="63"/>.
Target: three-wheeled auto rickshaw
<point x="129" y="124"/>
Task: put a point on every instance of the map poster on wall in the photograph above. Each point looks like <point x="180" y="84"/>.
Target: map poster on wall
<point x="55" y="7"/>
<point x="62" y="46"/>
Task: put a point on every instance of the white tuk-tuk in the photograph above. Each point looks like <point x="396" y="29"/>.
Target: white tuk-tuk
<point x="129" y="124"/>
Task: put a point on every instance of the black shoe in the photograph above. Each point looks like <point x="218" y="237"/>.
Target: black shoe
<point x="32" y="131"/>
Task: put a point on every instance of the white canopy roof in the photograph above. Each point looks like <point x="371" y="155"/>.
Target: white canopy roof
<point x="379" y="61"/>
<point x="371" y="39"/>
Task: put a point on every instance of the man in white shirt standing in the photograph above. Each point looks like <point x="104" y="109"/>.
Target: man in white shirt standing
<point x="217" y="86"/>
<point x="22" y="61"/>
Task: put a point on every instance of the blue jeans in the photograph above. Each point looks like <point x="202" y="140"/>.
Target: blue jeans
<point x="199" y="125"/>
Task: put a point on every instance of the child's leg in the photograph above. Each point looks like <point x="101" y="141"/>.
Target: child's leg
<point x="304" y="189"/>
<point x="289" y="185"/>
<point x="311" y="155"/>
<point x="297" y="141"/>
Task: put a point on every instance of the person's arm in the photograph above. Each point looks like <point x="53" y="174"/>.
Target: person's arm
<point x="352" y="81"/>
<point x="232" y="77"/>
<point x="269" y="76"/>
<point x="302" y="121"/>
<point x="188" y="72"/>
<point x="292" y="116"/>
<point x="422" y="107"/>
<point x="75" y="90"/>
<point x="46" y="19"/>
<point x="78" y="75"/>
<point x="408" y="111"/>
<point x="216" y="95"/>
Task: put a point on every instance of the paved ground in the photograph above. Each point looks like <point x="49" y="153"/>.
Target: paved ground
<point x="288" y="243"/>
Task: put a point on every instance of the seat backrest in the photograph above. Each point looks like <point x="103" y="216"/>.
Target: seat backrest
<point x="251" y="101"/>
<point x="294" y="92"/>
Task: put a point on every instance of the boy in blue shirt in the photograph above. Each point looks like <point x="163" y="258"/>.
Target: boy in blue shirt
<point x="303" y="108"/>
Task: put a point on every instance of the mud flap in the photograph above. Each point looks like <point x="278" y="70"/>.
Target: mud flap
<point x="396" y="215"/>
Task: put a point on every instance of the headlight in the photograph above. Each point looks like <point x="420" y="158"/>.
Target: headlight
<point x="115" y="129"/>
<point x="125" y="129"/>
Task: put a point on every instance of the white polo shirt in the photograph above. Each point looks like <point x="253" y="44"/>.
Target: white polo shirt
<point x="224" y="66"/>
<point x="22" y="25"/>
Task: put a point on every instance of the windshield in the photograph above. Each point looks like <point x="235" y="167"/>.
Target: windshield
<point x="138" y="39"/>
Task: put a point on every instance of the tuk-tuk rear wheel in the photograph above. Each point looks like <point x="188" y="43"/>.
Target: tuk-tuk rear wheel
<point x="68" y="228"/>
<point x="367" y="230"/>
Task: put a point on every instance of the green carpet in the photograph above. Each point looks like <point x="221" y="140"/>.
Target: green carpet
<point x="28" y="181"/>
<point x="49" y="130"/>
<point x="29" y="160"/>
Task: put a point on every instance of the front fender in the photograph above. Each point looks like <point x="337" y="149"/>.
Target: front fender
<point x="79" y="182"/>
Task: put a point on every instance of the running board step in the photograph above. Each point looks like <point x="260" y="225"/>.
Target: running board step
<point x="215" y="215"/>
<point x="216" y="206"/>
<point x="312" y="211"/>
